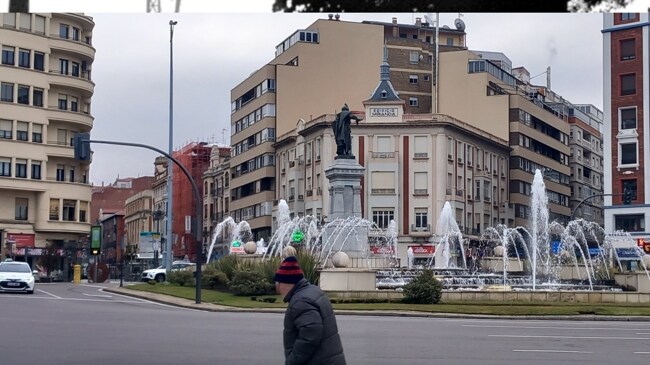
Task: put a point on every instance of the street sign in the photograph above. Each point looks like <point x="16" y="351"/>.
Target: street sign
<point x="95" y="240"/>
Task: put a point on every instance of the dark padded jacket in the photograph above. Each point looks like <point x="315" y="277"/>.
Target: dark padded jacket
<point x="311" y="336"/>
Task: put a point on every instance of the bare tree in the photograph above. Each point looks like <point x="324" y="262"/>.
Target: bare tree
<point x="19" y="6"/>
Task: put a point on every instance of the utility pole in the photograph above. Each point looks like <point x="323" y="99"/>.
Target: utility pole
<point x="170" y="167"/>
<point x="19" y="6"/>
<point x="154" y="6"/>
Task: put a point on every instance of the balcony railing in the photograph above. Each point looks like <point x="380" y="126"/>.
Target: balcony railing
<point x="421" y="155"/>
<point x="309" y="192"/>
<point x="383" y="154"/>
<point x="66" y="179"/>
<point x="420" y="192"/>
<point x="383" y="191"/>
<point x="419" y="231"/>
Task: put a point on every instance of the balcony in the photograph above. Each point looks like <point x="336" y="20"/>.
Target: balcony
<point x="420" y="231"/>
<point x="420" y="192"/>
<point x="292" y="164"/>
<point x="78" y="117"/>
<point x="460" y="192"/>
<point x="421" y="156"/>
<point x="66" y="179"/>
<point x="292" y="198"/>
<point x="84" y="86"/>
<point x="309" y="192"/>
<point x="383" y="155"/>
<point x="61" y="45"/>
<point x="383" y="191"/>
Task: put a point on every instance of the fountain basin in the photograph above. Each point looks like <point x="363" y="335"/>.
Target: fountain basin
<point x="347" y="279"/>
<point x="637" y="281"/>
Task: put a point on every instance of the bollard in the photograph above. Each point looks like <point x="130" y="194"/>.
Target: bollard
<point x="77" y="274"/>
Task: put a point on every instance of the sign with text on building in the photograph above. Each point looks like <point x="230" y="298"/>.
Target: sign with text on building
<point x="21" y="239"/>
<point x="423" y="250"/>
<point x="237" y="247"/>
<point x="383" y="112"/>
<point x="382" y="250"/>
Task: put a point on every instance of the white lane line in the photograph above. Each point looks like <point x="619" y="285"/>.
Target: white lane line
<point x="560" y="328"/>
<point x="55" y="296"/>
<point x="556" y="351"/>
<point x="642" y="352"/>
<point x="156" y="303"/>
<point x="574" y="337"/>
<point x="643" y="333"/>
<point x="98" y="295"/>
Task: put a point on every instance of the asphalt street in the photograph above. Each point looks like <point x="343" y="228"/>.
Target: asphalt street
<point x="64" y="323"/>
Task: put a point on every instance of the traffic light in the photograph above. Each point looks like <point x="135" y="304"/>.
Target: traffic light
<point x="627" y="196"/>
<point x="81" y="146"/>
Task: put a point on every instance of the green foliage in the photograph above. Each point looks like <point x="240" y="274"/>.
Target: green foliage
<point x="227" y="265"/>
<point x="247" y="283"/>
<point x="151" y="282"/>
<point x="213" y="278"/>
<point x="363" y="300"/>
<point x="181" y="277"/>
<point x="268" y="268"/>
<point x="309" y="265"/>
<point x="424" y="289"/>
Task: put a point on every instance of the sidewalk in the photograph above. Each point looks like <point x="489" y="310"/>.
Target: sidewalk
<point x="209" y="307"/>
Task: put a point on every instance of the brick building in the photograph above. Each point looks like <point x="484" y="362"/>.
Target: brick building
<point x="111" y="198"/>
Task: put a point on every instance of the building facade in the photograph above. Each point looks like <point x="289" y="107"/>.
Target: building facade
<point x="113" y="237"/>
<point x="138" y="217"/>
<point x="215" y="198"/>
<point x="309" y="77"/>
<point x="45" y="96"/>
<point x="626" y="70"/>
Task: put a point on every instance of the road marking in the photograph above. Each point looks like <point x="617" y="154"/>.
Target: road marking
<point x="574" y="337"/>
<point x="560" y="328"/>
<point x="643" y="333"/>
<point x="641" y="352"/>
<point x="98" y="295"/>
<point x="556" y="351"/>
<point x="55" y="296"/>
<point x="156" y="303"/>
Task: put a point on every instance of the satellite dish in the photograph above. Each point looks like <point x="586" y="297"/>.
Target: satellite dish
<point x="445" y="27"/>
<point x="429" y="20"/>
<point x="460" y="24"/>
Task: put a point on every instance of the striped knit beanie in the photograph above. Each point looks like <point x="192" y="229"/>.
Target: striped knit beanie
<point x="289" y="271"/>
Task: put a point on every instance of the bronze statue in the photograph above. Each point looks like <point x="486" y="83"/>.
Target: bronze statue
<point x="343" y="132"/>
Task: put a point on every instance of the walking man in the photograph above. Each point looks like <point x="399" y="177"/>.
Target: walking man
<point x="311" y="336"/>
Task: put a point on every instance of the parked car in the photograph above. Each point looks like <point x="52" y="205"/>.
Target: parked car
<point x="16" y="277"/>
<point x="160" y="273"/>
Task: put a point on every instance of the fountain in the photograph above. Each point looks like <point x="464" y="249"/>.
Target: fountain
<point x="450" y="237"/>
<point x="230" y="233"/>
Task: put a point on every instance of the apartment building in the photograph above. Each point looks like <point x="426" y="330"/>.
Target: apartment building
<point x="315" y="71"/>
<point x="45" y="96"/>
<point x="626" y="70"/>
<point x="414" y="164"/>
<point x="138" y="217"/>
<point x="510" y="109"/>
<point x="159" y="188"/>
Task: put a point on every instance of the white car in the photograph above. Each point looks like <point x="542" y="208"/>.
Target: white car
<point x="160" y="274"/>
<point x="16" y="277"/>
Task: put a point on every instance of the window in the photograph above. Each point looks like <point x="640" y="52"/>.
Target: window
<point x="6" y="92"/>
<point x="628" y="84"/>
<point x="413" y="79"/>
<point x="24" y="58"/>
<point x="74" y="104"/>
<point x="69" y="210"/>
<point x="72" y="173"/>
<point x="382" y="218"/>
<point x="64" y="31"/>
<point x="413" y="101"/>
<point x="63" y="102"/>
<point x="383" y="144"/>
<point x="60" y="172"/>
<point x="450" y="41"/>
<point x="54" y="209"/>
<point x="22" y="131"/>
<point x="21" y="209"/>
<point x="37" y="133"/>
<point x="628" y="16"/>
<point x="630" y="185"/>
<point x="628" y="153"/>
<point x="8" y="55"/>
<point x="630" y="223"/>
<point x="9" y="20"/>
<point x="5" y="166"/>
<point x="414" y="57"/>
<point x="39" y="61"/>
<point x="21" y="168"/>
<point x="75" y="34"/>
<point x="25" y="21"/>
<point x="421" y="218"/>
<point x="420" y="147"/>
<point x="63" y="66"/>
<point x="627" y="49"/>
<point x="23" y="94"/>
<point x="420" y="183"/>
<point x="628" y="118"/>
<point x="83" y="209"/>
<point x="75" y="69"/>
<point x="6" y="129"/>
<point x="36" y="170"/>
<point x="37" y="96"/>
<point x="39" y="24"/>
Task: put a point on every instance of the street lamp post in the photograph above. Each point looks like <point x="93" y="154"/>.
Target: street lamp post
<point x="170" y="165"/>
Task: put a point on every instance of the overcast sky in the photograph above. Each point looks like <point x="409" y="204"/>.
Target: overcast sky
<point x="213" y="52"/>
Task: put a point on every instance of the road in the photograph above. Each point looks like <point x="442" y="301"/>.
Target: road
<point x="71" y="324"/>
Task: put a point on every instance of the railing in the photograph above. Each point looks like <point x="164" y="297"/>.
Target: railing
<point x="460" y="192"/>
<point x="309" y="192"/>
<point x="65" y="179"/>
<point x="291" y="197"/>
<point x="383" y="154"/>
<point x="68" y="109"/>
<point x="60" y="143"/>
<point x="383" y="191"/>
<point x="415" y="228"/>
<point x="421" y="155"/>
<point x="292" y="164"/>
<point x="420" y="192"/>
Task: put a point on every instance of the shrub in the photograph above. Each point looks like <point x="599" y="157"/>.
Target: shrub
<point x="424" y="289"/>
<point x="227" y="265"/>
<point x="309" y="265"/>
<point x="213" y="278"/>
<point x="181" y="277"/>
<point x="268" y="268"/>
<point x="247" y="283"/>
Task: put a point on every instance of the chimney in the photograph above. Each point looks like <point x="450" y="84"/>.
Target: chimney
<point x="548" y="77"/>
<point x="418" y="22"/>
<point x="395" y="28"/>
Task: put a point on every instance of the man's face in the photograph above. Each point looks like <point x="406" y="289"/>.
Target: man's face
<point x="283" y="288"/>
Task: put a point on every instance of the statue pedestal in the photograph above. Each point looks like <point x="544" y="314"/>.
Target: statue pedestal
<point x="345" y="176"/>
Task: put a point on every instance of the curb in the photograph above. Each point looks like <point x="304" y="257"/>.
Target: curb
<point x="208" y="307"/>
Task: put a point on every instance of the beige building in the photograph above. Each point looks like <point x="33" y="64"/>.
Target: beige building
<point x="159" y="188"/>
<point x="480" y="89"/>
<point x="138" y="216"/>
<point x="216" y="193"/>
<point x="45" y="96"/>
<point x="414" y="164"/>
<point x="315" y="71"/>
